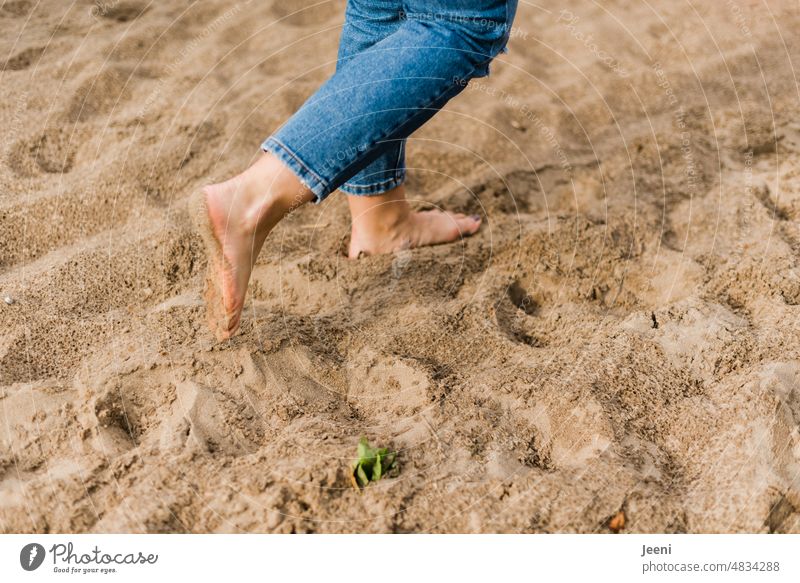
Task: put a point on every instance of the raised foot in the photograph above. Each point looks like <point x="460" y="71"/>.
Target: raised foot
<point x="230" y="250"/>
<point x="234" y="218"/>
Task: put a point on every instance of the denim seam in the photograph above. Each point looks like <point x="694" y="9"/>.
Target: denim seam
<point x="371" y="184"/>
<point x="380" y="186"/>
<point x="507" y="35"/>
<point x="375" y="188"/>
<point x="400" y="173"/>
<point x="500" y="43"/>
<point x="299" y="161"/>
<point x="312" y="180"/>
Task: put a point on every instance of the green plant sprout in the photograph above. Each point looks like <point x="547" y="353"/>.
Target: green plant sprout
<point x="372" y="464"/>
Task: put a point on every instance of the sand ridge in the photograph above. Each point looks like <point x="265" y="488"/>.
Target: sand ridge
<point x="622" y="334"/>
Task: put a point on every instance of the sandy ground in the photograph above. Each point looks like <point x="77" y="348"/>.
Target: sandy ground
<point x="622" y="335"/>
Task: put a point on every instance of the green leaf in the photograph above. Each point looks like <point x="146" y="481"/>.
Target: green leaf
<point x="372" y="463"/>
<point x="363" y="449"/>
<point x="361" y="475"/>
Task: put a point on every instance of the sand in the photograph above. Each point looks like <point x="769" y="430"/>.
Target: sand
<point x="623" y="335"/>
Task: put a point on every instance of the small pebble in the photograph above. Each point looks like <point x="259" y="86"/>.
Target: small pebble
<point x="9" y="300"/>
<point x="516" y="125"/>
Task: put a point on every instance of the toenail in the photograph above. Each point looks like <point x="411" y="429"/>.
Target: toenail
<point x="475" y="217"/>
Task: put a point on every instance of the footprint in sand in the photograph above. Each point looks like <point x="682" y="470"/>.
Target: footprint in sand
<point x="52" y="152"/>
<point x="119" y="11"/>
<point x="124" y="412"/>
<point x="24" y="59"/>
<point x="210" y="421"/>
<point x="515" y="316"/>
<point x="514" y="192"/>
<point x="100" y="94"/>
<point x="387" y="387"/>
<point x="17" y="8"/>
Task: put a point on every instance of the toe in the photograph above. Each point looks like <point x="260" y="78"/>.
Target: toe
<point x="228" y="327"/>
<point x="469" y="225"/>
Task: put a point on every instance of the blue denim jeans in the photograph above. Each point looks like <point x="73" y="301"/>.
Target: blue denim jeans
<point x="400" y="61"/>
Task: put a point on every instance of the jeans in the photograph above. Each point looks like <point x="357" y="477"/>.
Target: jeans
<point x="399" y="62"/>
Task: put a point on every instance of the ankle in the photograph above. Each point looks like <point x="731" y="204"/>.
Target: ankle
<point x="384" y="219"/>
<point x="266" y="192"/>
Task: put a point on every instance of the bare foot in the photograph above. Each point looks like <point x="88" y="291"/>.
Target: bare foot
<point x="386" y="223"/>
<point x="234" y="218"/>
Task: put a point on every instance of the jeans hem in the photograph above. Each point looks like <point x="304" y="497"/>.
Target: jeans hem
<point x="306" y="175"/>
<point x="375" y="188"/>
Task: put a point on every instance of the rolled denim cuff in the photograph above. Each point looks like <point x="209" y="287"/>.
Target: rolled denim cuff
<point x="375" y="188"/>
<point x="316" y="184"/>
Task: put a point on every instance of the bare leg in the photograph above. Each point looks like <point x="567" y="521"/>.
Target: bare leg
<point x="235" y="218"/>
<point x="386" y="223"/>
